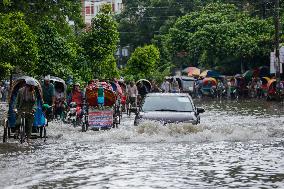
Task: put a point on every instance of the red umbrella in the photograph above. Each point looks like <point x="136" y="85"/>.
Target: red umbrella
<point x="192" y="71"/>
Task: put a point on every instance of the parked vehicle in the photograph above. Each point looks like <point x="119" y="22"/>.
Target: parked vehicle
<point x="186" y="84"/>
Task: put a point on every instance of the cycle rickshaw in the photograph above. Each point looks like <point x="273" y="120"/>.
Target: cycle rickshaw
<point x="13" y="129"/>
<point x="99" y="111"/>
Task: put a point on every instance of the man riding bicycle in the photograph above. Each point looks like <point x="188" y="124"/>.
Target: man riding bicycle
<point x="25" y="107"/>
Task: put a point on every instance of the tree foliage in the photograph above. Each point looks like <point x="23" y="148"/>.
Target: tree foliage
<point x="18" y="46"/>
<point x="100" y="43"/>
<point x="219" y="31"/>
<point x="55" y="11"/>
<point x="55" y="53"/>
<point x="143" y="62"/>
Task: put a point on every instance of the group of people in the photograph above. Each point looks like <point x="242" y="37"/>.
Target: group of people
<point x="236" y="87"/>
<point x="170" y="86"/>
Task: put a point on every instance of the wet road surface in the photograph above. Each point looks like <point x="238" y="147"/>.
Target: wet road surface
<point x="237" y="145"/>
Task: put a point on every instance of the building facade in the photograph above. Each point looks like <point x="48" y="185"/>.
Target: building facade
<point x="92" y="7"/>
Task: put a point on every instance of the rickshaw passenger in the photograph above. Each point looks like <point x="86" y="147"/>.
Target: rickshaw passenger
<point x="119" y="89"/>
<point x="60" y="101"/>
<point x="76" y="95"/>
<point x="25" y="103"/>
<point x="48" y="91"/>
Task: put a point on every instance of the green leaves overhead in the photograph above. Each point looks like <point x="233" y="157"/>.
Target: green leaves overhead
<point x="55" y="54"/>
<point x="100" y="44"/>
<point x="143" y="62"/>
<point x="57" y="11"/>
<point x="18" y="46"/>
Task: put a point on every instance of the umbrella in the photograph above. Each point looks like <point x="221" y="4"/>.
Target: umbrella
<point x="210" y="73"/>
<point x="29" y="80"/>
<point x="248" y="74"/>
<point x="270" y="82"/>
<point x="209" y="79"/>
<point x="146" y="83"/>
<point x="238" y="76"/>
<point x="265" y="80"/>
<point x="192" y="71"/>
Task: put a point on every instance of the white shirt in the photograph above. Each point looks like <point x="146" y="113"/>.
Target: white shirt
<point x="132" y="91"/>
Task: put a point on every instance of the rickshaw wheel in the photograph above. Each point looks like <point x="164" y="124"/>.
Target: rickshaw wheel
<point x="40" y="132"/>
<point x="74" y="123"/>
<point x="5" y="135"/>
<point x="22" y="133"/>
<point x="84" y="127"/>
<point x="44" y="133"/>
<point x="9" y="132"/>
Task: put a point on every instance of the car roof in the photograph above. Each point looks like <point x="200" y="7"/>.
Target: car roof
<point x="168" y="94"/>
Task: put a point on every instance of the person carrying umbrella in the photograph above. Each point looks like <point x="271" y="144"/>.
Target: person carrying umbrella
<point x="25" y="106"/>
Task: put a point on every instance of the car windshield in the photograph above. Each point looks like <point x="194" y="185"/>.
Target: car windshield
<point x="167" y="103"/>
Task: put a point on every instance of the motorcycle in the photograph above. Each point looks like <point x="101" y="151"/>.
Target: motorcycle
<point x="74" y="114"/>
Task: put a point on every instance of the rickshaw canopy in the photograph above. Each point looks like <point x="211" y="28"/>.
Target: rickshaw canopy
<point x="210" y="73"/>
<point x="55" y="80"/>
<point x="209" y="79"/>
<point x="265" y="79"/>
<point x="270" y="82"/>
<point x="145" y="82"/>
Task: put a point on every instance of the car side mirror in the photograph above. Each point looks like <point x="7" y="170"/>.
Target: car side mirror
<point x="200" y="110"/>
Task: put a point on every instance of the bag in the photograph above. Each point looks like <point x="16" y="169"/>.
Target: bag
<point x="39" y="118"/>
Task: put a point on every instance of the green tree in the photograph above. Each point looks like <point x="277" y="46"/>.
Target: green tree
<point x="56" y="55"/>
<point x="100" y="43"/>
<point x="18" y="46"/>
<point x="143" y="63"/>
<point x="55" y="11"/>
<point x="220" y="31"/>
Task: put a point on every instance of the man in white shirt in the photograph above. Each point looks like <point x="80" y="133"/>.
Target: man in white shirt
<point x="132" y="93"/>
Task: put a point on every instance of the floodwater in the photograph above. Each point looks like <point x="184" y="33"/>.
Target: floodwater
<point x="237" y="145"/>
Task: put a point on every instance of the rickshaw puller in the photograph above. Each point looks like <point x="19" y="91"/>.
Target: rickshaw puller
<point x="25" y="105"/>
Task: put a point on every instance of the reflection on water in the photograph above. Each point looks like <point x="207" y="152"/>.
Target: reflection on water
<point x="237" y="145"/>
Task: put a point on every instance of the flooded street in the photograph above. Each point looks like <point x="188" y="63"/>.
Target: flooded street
<point x="237" y="145"/>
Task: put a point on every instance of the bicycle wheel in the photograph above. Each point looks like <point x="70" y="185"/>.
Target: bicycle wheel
<point x="22" y="132"/>
<point x="128" y="110"/>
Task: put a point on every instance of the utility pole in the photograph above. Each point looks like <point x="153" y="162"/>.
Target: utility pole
<point x="277" y="54"/>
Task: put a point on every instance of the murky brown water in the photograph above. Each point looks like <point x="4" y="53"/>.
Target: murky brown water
<point x="237" y="145"/>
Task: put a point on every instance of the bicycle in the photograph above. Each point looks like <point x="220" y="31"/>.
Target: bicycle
<point x="22" y="128"/>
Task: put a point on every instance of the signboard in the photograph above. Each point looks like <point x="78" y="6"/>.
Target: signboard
<point x="101" y="119"/>
<point x="272" y="61"/>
